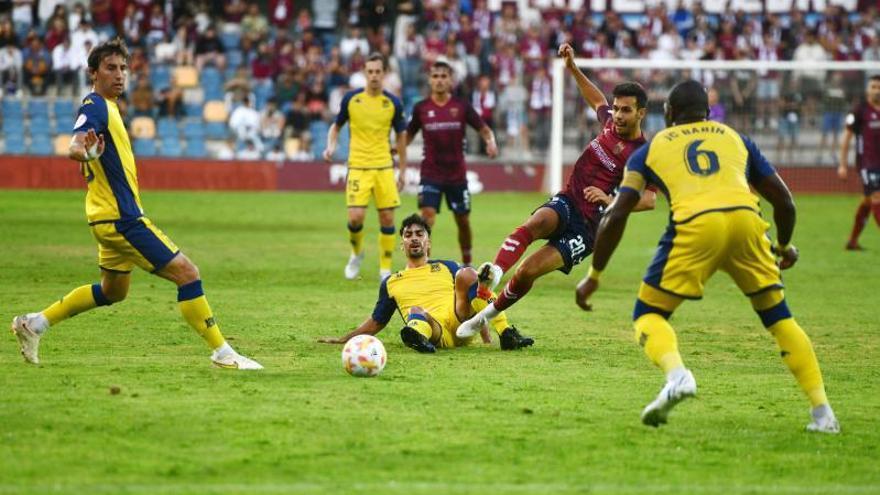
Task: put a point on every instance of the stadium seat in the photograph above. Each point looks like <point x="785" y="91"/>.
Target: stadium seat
<point x="12" y="107"/>
<point x="230" y="40"/>
<point x="61" y="144"/>
<point x="194" y="130"/>
<point x="13" y="145"/>
<point x="167" y="129"/>
<point x="262" y="93"/>
<point x="170" y="147"/>
<point x="234" y="59"/>
<point x="41" y="144"/>
<point x="38" y="107"/>
<point x="319" y="130"/>
<point x="186" y="76"/>
<point x="195" y="148"/>
<point x="160" y="76"/>
<point x="40" y="124"/>
<point x="143" y="128"/>
<point x="64" y="110"/>
<point x="215" y="111"/>
<point x="216" y="130"/>
<point x="193" y="109"/>
<point x="343" y="143"/>
<point x="144" y="147"/>
<point x="292" y="146"/>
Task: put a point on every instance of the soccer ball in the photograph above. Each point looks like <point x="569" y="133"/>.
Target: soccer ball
<point x="364" y="355"/>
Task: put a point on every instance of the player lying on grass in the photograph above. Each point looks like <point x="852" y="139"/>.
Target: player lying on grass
<point x="126" y="238"/>
<point x="568" y="220"/>
<point x="705" y="169"/>
<point x="432" y="296"/>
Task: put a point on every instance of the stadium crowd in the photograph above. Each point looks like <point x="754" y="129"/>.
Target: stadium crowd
<point x="263" y="79"/>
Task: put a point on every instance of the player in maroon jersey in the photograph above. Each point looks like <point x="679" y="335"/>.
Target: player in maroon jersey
<point x="864" y="123"/>
<point x="443" y="119"/>
<point x="569" y="219"/>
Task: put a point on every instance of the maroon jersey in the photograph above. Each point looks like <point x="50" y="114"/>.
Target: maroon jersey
<point x="600" y="165"/>
<point x="864" y="122"/>
<point x="443" y="129"/>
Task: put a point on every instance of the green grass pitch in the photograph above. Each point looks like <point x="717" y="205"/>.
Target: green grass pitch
<point x="561" y="417"/>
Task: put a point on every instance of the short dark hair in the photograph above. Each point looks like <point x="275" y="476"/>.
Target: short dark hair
<point x="632" y="89"/>
<point x="415" y="219"/>
<point x="875" y="77"/>
<point x="112" y="47"/>
<point x="688" y="102"/>
<point x="442" y="64"/>
<point x="378" y="56"/>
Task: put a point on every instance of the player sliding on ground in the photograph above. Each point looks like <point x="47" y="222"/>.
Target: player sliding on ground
<point x="125" y="236"/>
<point x="568" y="220"/>
<point x="432" y="296"/>
<point x="705" y="168"/>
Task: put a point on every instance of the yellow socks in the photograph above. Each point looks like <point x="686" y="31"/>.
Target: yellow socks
<point x="479" y="302"/>
<point x="796" y="350"/>
<point x="356" y="238"/>
<point x="196" y="311"/>
<point x="387" y="241"/>
<point x="657" y="337"/>
<point x="420" y="324"/>
<point x="78" y="300"/>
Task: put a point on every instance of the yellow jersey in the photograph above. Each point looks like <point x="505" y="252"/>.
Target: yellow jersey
<point x="112" y="177"/>
<point x="371" y="119"/>
<point x="430" y="287"/>
<point x="700" y="167"/>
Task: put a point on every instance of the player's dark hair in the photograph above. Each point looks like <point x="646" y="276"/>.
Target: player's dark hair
<point x="687" y="102"/>
<point x="633" y="89"/>
<point x="415" y="219"/>
<point x="875" y="77"/>
<point x="441" y="64"/>
<point x="378" y="56"/>
<point x="111" y="47"/>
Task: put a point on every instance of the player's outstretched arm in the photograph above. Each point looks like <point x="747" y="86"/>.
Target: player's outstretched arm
<point x="843" y="161"/>
<point x="332" y="139"/>
<point x="588" y="90"/>
<point x="86" y="146"/>
<point x="608" y="236"/>
<point x="774" y="190"/>
<point x="368" y="327"/>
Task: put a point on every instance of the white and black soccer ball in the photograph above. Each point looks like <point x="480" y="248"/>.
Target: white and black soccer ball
<point x="364" y="355"/>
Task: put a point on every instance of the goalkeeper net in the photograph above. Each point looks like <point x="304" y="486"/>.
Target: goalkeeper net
<point x="794" y="111"/>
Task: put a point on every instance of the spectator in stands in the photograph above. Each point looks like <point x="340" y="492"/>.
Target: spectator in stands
<point x="297" y="123"/>
<point x="271" y="125"/>
<point x="513" y="101"/>
<point x="353" y="41"/>
<point x="280" y="13"/>
<point x="658" y="89"/>
<point x="743" y="84"/>
<point x="237" y="89"/>
<point x="209" y="50"/>
<point x="165" y="51"/>
<point x="789" y="123"/>
<point x="77" y="14"/>
<point x="56" y="34"/>
<point x="244" y="122"/>
<point x="459" y="66"/>
<point x="37" y="66"/>
<point x="254" y="25"/>
<point x="409" y="56"/>
<point x="157" y="25"/>
<point x="170" y="100"/>
<point x="810" y="81"/>
<point x="22" y="17"/>
<point x="316" y="100"/>
<point x="48" y="10"/>
<point x="834" y="106"/>
<point x="484" y="101"/>
<point x="233" y="13"/>
<point x="716" y="108"/>
<point x="872" y="54"/>
<point x="10" y="70"/>
<point x="286" y="89"/>
<point x="81" y="35"/>
<point x="102" y="16"/>
<point x="64" y="67"/>
<point x="184" y="45"/>
<point x="263" y="67"/>
<point x="7" y="32"/>
<point x="249" y="151"/>
<point x="132" y="25"/>
<point x="143" y="103"/>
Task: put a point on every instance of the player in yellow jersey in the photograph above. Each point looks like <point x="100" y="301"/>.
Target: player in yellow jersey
<point x="705" y="169"/>
<point x="371" y="114"/>
<point x="126" y="238"/>
<point x="433" y="297"/>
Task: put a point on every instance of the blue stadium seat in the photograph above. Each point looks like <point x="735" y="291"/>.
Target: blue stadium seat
<point x="64" y="110"/>
<point x="41" y="144"/>
<point x="195" y="148"/>
<point x="216" y="130"/>
<point x="262" y="93"/>
<point x="160" y="76"/>
<point x="170" y="147"/>
<point x="343" y="143"/>
<point x="231" y="40"/>
<point x="38" y="108"/>
<point x="13" y="125"/>
<point x="167" y="128"/>
<point x="319" y="130"/>
<point x="40" y="126"/>
<point x="12" y="107"/>
<point x="13" y="145"/>
<point x="234" y="59"/>
<point x="193" y="109"/>
<point x="211" y="81"/>
<point x="144" y="147"/>
<point x="194" y="130"/>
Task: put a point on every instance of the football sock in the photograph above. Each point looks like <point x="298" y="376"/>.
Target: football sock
<point x="656" y="336"/>
<point x="387" y="239"/>
<point x="420" y="324"/>
<point x="861" y="220"/>
<point x="513" y="248"/>
<point x="795" y="348"/>
<point x="196" y="311"/>
<point x="75" y="302"/>
<point x="876" y="209"/>
<point x="356" y="238"/>
<point x="515" y="290"/>
<point x="480" y="301"/>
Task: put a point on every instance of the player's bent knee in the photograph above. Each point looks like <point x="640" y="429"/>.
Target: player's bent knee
<point x="466" y="277"/>
<point x="767" y="299"/>
<point x="642" y="308"/>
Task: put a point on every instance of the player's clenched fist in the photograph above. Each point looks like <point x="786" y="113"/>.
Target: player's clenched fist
<point x="566" y="52"/>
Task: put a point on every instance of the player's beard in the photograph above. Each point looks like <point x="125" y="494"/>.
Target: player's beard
<point x="415" y="253"/>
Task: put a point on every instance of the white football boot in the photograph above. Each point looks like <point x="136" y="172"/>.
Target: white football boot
<point x="676" y="390"/>
<point x="353" y="267"/>
<point x="490" y="275"/>
<point x="823" y="421"/>
<point x="27" y="329"/>
<point x="226" y="357"/>
<point x="471" y="327"/>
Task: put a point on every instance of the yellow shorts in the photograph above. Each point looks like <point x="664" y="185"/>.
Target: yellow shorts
<point x="124" y="244"/>
<point x="378" y="183"/>
<point x="733" y="241"/>
<point x="448" y="325"/>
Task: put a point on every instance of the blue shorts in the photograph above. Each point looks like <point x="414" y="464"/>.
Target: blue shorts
<point x="458" y="199"/>
<point x="832" y="122"/>
<point x="870" y="181"/>
<point x="573" y="238"/>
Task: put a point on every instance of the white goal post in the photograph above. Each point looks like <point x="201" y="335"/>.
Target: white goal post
<point x="555" y="160"/>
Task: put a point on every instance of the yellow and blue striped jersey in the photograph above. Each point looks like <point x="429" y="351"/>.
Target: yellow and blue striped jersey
<point x="701" y="166"/>
<point x="430" y="287"/>
<point x="371" y="119"/>
<point x="112" y="177"/>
